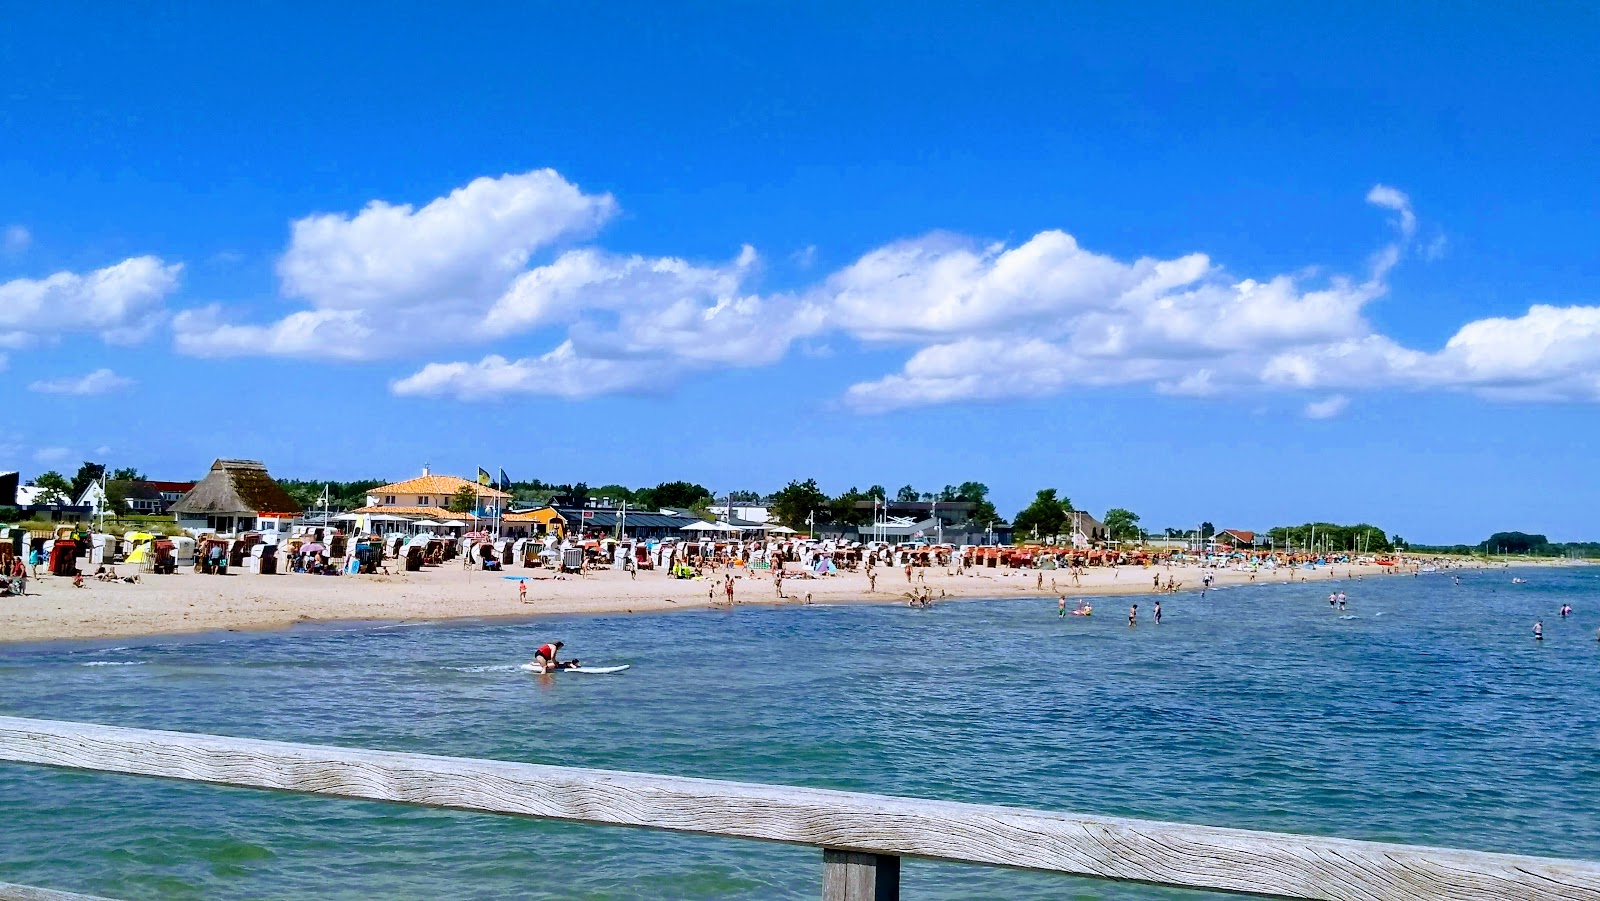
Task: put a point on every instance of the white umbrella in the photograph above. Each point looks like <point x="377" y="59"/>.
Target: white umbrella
<point x="345" y="517"/>
<point x="780" y="530"/>
<point x="453" y="524"/>
<point x="703" y="526"/>
<point x="385" y="517"/>
<point x="427" y="523"/>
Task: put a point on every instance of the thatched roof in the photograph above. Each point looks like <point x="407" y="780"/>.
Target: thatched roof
<point x="235" y="487"/>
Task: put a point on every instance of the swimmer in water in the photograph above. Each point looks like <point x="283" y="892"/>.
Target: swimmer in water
<point x="1158" y="613"/>
<point x="1341" y="601"/>
<point x="1061" y="606"/>
<point x="1133" y="615"/>
<point x="1538" y="631"/>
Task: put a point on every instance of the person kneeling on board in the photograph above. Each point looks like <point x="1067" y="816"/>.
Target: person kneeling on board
<point x="545" y="658"/>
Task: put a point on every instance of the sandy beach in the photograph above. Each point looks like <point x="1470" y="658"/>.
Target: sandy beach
<point x="190" y="602"/>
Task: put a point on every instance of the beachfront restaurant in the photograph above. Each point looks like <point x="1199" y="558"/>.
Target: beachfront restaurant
<point x="424" y="502"/>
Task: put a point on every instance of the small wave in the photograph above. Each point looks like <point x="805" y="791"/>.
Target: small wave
<point x="113" y="663"/>
<point x="1348" y="616"/>
<point x="490" y="668"/>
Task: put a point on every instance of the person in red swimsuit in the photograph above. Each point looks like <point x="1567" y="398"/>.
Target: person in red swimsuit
<point x="545" y="657"/>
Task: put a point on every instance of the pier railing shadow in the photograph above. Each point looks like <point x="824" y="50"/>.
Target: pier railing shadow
<point x="862" y="836"/>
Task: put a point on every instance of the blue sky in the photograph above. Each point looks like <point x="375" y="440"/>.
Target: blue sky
<point x="1248" y="264"/>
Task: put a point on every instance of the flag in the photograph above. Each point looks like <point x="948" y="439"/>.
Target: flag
<point x="483" y="476"/>
<point x="505" y="480"/>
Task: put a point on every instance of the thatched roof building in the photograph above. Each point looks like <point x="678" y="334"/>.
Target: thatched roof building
<point x="239" y="489"/>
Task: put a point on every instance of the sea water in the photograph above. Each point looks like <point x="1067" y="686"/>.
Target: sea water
<point x="1422" y="713"/>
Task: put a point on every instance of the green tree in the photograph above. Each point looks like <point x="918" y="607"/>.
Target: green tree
<point x="674" y="494"/>
<point x="465" y="500"/>
<point x="977" y="493"/>
<point x="794" y="505"/>
<point x="1514" y="543"/>
<point x="127" y="474"/>
<point x="906" y="494"/>
<point x="876" y="491"/>
<point x="1046" y="516"/>
<point x="57" y="490"/>
<point x="88" y="474"/>
<point x="1207" y="530"/>
<point x="618" y="493"/>
<point x="843" y="510"/>
<point x="744" y="497"/>
<point x="117" y="496"/>
<point x="1122" y="524"/>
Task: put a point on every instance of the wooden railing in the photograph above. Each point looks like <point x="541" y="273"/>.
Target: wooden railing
<point x="863" y="836"/>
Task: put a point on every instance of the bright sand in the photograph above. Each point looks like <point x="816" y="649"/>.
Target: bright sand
<point x="189" y="602"/>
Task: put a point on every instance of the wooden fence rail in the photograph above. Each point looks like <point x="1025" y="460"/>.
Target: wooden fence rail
<point x="863" y="836"/>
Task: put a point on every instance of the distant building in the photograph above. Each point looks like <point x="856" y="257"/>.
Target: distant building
<point x="533" y="523"/>
<point x="748" y="511"/>
<point x="235" y="496"/>
<point x="1085" y="530"/>
<point x="428" y="497"/>
<point x="1238" y="538"/>
<point x="144" y="497"/>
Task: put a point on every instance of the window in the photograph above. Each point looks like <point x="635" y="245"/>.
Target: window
<point x="388" y="498"/>
<point x="422" y="500"/>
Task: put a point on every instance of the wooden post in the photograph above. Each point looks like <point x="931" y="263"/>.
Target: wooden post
<point x="856" y="876"/>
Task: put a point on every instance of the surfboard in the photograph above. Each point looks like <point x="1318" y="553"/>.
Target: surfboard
<point x="593" y="670"/>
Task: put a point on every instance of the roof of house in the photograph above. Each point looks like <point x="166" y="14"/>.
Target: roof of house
<point x="1239" y="534"/>
<point x="444" y="486"/>
<point x="429" y="512"/>
<point x="233" y="487"/>
<point x="607" y="519"/>
<point x="179" y="487"/>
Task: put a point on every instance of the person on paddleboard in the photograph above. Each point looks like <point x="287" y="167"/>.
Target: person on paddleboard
<point x="545" y="658"/>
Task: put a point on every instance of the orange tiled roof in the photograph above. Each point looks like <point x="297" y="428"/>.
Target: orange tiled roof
<point x="438" y="513"/>
<point x="444" y="486"/>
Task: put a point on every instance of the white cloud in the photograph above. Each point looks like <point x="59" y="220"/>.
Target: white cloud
<point x="560" y="373"/>
<point x="49" y="455"/>
<point x="120" y="302"/>
<point x="978" y="320"/>
<point x="16" y="239"/>
<point x="394" y="279"/>
<point x="1328" y="407"/>
<point x="101" y="381"/>
<point x="1395" y="199"/>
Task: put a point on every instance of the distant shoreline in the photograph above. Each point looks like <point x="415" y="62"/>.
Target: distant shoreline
<point x="188" y="604"/>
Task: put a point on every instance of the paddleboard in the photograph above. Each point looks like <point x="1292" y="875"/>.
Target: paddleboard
<point x="593" y="670"/>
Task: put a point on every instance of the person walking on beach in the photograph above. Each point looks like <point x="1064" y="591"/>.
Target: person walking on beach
<point x="872" y="580"/>
<point x="1158" y="613"/>
<point x="1038" y="582"/>
<point x="33" y="562"/>
<point x="908" y="572"/>
<point x="1156" y="582"/>
<point x="727" y="586"/>
<point x="1133" y="614"/>
<point x="522" y="592"/>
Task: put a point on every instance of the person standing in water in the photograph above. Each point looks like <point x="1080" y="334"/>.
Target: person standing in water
<point x="1538" y="630"/>
<point x="1061" y="606"/>
<point x="1158" y="613"/>
<point x="1133" y="614"/>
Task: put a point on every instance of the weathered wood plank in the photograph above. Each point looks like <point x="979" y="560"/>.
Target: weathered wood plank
<point x="1168" y="854"/>
<point x="9" y="892"/>
<point x="855" y="876"/>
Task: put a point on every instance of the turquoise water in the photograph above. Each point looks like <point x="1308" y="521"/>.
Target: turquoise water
<point x="1429" y="716"/>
